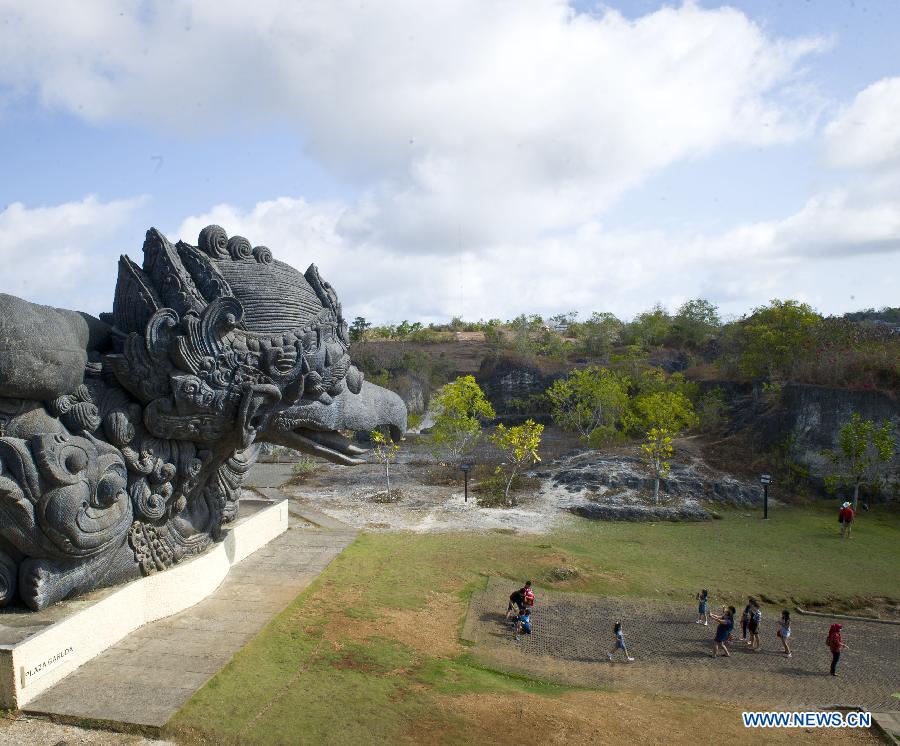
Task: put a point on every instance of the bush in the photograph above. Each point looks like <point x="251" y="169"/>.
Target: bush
<point x="489" y="490"/>
<point x="301" y="469"/>
<point x="489" y="485"/>
<point x="712" y="409"/>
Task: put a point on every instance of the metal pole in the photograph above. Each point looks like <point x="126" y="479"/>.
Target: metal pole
<point x="765" y="502"/>
<point x="466" y="477"/>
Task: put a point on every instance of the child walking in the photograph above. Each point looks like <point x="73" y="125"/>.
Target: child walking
<point x="745" y="619"/>
<point x="703" y="607"/>
<point x="620" y="644"/>
<point x="723" y="631"/>
<point x="784" y="632"/>
<point x="753" y="627"/>
<point x="835" y="644"/>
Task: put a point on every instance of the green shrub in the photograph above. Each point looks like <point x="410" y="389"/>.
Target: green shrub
<point x="304" y="466"/>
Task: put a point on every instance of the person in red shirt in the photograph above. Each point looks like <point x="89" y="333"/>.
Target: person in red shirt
<point x="528" y="595"/>
<point x="845" y="517"/>
<point x="835" y="644"/>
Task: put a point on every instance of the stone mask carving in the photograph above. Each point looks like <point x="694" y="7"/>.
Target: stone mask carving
<point x="134" y="460"/>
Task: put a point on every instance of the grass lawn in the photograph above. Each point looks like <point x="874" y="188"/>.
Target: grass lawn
<point x="371" y="652"/>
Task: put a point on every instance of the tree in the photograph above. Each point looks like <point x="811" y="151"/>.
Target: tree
<point x="592" y="402"/>
<point x="519" y="446"/>
<point x="458" y="409"/>
<point x="599" y="333"/>
<point x="657" y="450"/>
<point x="385" y="451"/>
<point x="696" y="322"/>
<point x="524" y="328"/>
<point x="774" y="336"/>
<point x="404" y="329"/>
<point x="671" y="411"/>
<point x="864" y="448"/>
<point x="358" y="329"/>
<point x="649" y="328"/>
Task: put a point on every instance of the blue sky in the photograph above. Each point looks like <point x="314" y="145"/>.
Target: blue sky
<point x="474" y="158"/>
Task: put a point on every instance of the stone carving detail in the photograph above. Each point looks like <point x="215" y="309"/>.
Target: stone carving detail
<point x="209" y="350"/>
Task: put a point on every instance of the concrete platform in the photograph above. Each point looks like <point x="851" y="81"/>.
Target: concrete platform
<point x="38" y="649"/>
<point x="147" y="676"/>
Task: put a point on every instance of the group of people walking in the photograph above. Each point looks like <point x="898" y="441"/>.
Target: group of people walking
<point x="750" y="621"/>
<point x="521" y="605"/>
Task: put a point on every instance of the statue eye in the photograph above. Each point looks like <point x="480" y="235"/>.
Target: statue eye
<point x="111" y="484"/>
<point x="75" y="460"/>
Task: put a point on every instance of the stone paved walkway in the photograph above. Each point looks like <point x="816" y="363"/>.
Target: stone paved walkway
<point x="148" y="676"/>
<point x="572" y="633"/>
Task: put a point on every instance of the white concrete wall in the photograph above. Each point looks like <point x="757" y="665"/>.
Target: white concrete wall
<point x="34" y="665"/>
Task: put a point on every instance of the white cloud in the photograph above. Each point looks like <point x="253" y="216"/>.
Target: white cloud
<point x="586" y="269"/>
<point x="462" y="124"/>
<point x="63" y="255"/>
<point x="866" y="134"/>
<point x="483" y="142"/>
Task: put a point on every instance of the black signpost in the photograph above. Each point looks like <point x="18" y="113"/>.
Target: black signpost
<point x="465" y="468"/>
<point x="765" y="480"/>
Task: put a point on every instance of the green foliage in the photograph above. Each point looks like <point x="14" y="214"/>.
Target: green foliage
<point x="774" y="336"/>
<point x="458" y="409"/>
<point x="695" y="324"/>
<point x="358" y="329"/>
<point x="519" y="446"/>
<point x="712" y="409"/>
<point x="791" y="474"/>
<point x="654" y="380"/>
<point x="529" y="404"/>
<point x="413" y="420"/>
<point x="490" y="489"/>
<point x="385" y="451"/>
<point x="656" y="451"/>
<point x="588" y="400"/>
<point x="671" y="411"/>
<point x="379" y="377"/>
<point x="864" y="449"/>
<point x="598" y="334"/>
<point x="304" y="466"/>
<point x="886" y="314"/>
<point x="649" y="329"/>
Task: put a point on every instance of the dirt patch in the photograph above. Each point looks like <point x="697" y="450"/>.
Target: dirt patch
<point x="605" y="717"/>
<point x="564" y="573"/>
<point x="424" y="630"/>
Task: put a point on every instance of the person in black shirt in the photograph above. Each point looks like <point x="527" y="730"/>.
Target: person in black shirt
<point x="517" y="601"/>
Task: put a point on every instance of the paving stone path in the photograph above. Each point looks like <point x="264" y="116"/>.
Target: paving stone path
<point x="145" y="678"/>
<point x="572" y="633"/>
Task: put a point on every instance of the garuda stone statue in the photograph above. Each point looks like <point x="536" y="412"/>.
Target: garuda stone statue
<point x="124" y="440"/>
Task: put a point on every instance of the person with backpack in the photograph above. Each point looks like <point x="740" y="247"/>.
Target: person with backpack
<point x="528" y="596"/>
<point x="723" y="631"/>
<point x="518" y="600"/>
<point x="745" y="619"/>
<point x="620" y="644"/>
<point x="845" y="518"/>
<point x="835" y="644"/>
<point x="753" y="626"/>
<point x="784" y="632"/>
